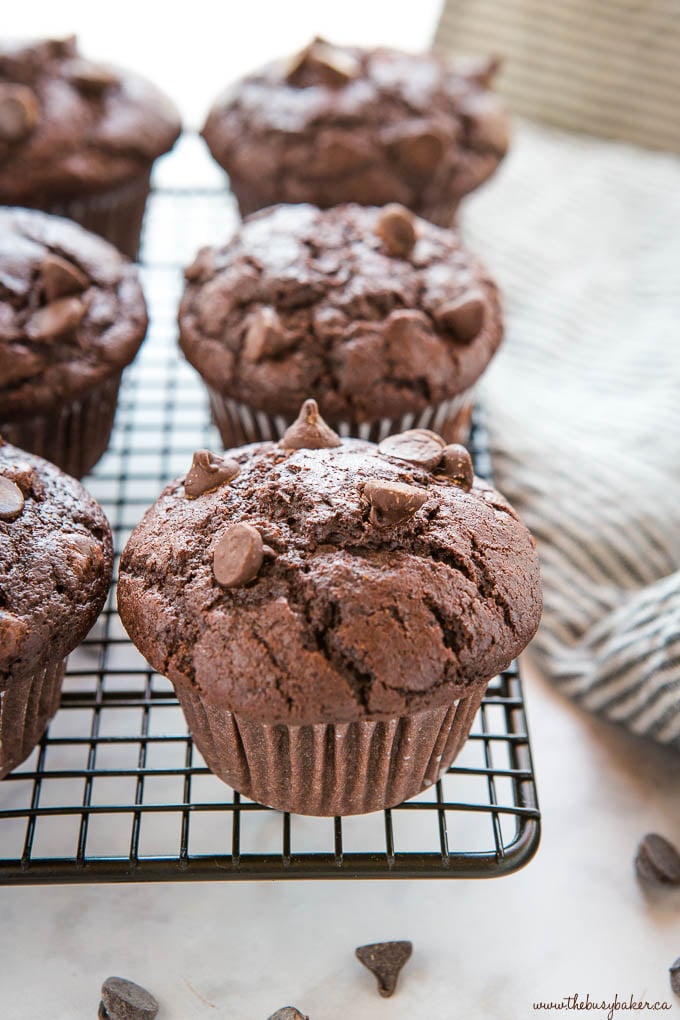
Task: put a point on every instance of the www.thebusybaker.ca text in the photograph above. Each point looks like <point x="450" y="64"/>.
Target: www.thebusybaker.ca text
<point x="577" y="1002"/>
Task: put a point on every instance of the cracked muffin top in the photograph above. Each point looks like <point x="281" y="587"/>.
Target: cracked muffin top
<point x="72" y="311"/>
<point x="55" y="562"/>
<point x="328" y="580"/>
<point x="376" y="311"/>
<point x="340" y="124"/>
<point x="68" y="125"/>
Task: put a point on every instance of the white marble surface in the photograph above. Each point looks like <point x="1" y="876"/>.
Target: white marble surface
<point x="574" y="920"/>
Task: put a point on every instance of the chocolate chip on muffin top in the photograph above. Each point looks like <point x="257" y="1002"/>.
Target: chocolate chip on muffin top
<point x="332" y="582"/>
<point x="380" y="313"/>
<point x="71" y="311"/>
<point x="68" y="124"/>
<point x="55" y="562"/>
<point x="336" y="124"/>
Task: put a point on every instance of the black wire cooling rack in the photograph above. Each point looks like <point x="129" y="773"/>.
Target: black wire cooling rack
<point x="116" y="791"/>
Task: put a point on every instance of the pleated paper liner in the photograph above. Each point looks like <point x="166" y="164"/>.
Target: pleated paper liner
<point x="26" y="707"/>
<point x="116" y="215"/>
<point x="239" y="424"/>
<point x="74" y="435"/>
<point x="327" y="769"/>
<point x="250" y="200"/>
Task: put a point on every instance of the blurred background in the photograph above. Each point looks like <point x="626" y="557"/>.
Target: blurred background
<point x="193" y="50"/>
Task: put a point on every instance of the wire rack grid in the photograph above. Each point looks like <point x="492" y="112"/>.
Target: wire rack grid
<point x="116" y="791"/>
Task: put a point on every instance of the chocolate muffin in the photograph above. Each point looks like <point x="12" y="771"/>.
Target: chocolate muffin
<point x="79" y="138"/>
<point x="55" y="570"/>
<point x="72" y="316"/>
<point x="386" y="317"/>
<point x="330" y="611"/>
<point x="340" y="124"/>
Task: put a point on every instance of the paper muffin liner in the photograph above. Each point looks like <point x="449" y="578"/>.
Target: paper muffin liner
<point x="115" y="215"/>
<point x="74" y="435"/>
<point x="331" y="769"/>
<point x="239" y="424"/>
<point x="249" y="200"/>
<point x="26" y="708"/>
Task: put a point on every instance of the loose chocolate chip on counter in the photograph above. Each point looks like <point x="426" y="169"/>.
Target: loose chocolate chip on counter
<point x="463" y="317"/>
<point x="657" y="860"/>
<point x="58" y="319"/>
<point x="322" y="64"/>
<point x="265" y="336"/>
<point x="19" y="112"/>
<point x="417" y="446"/>
<point x="91" y="78"/>
<point x="124" y="1000"/>
<point x="208" y="472"/>
<point x="456" y="464"/>
<point x="675" y="976"/>
<point x="396" y="229"/>
<point x="288" y="1013"/>
<point x="11" y="499"/>
<point x="392" y="502"/>
<point x="309" y="431"/>
<point x="238" y="555"/>
<point x="385" y="960"/>
<point x="61" y="278"/>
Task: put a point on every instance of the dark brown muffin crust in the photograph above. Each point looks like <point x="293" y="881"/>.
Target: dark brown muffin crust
<point x="70" y="127"/>
<point x="72" y="312"/>
<point x="376" y="587"/>
<point x="55" y="564"/>
<point x="376" y="311"/>
<point x="337" y="124"/>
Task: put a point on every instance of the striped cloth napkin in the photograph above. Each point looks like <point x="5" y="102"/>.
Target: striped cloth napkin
<point x="583" y="404"/>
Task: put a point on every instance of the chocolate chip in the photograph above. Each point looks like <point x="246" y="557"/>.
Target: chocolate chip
<point x="392" y="502"/>
<point x="657" y="860"/>
<point x="11" y="499"/>
<point x="288" y="1013"/>
<point x="91" y="78"/>
<point x="395" y="227"/>
<point x="420" y="151"/>
<point x="405" y="326"/>
<point x="265" y="336"/>
<point x="417" y="446"/>
<point x="124" y="1000"/>
<point x="463" y="317"/>
<point x="208" y="472"/>
<point x="61" y="278"/>
<point x="675" y="976"/>
<point x="238" y="555"/>
<point x="58" y="319"/>
<point x="101" y="1012"/>
<point x="385" y="960"/>
<point x="322" y="64"/>
<point x="19" y="112"/>
<point x="456" y="464"/>
<point x="309" y="431"/>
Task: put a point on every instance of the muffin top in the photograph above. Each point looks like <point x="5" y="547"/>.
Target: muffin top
<point x="69" y="126"/>
<point x="55" y="562"/>
<point x="374" y="126"/>
<point x="378" y="312"/>
<point x="72" y="311"/>
<point x="324" y="580"/>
